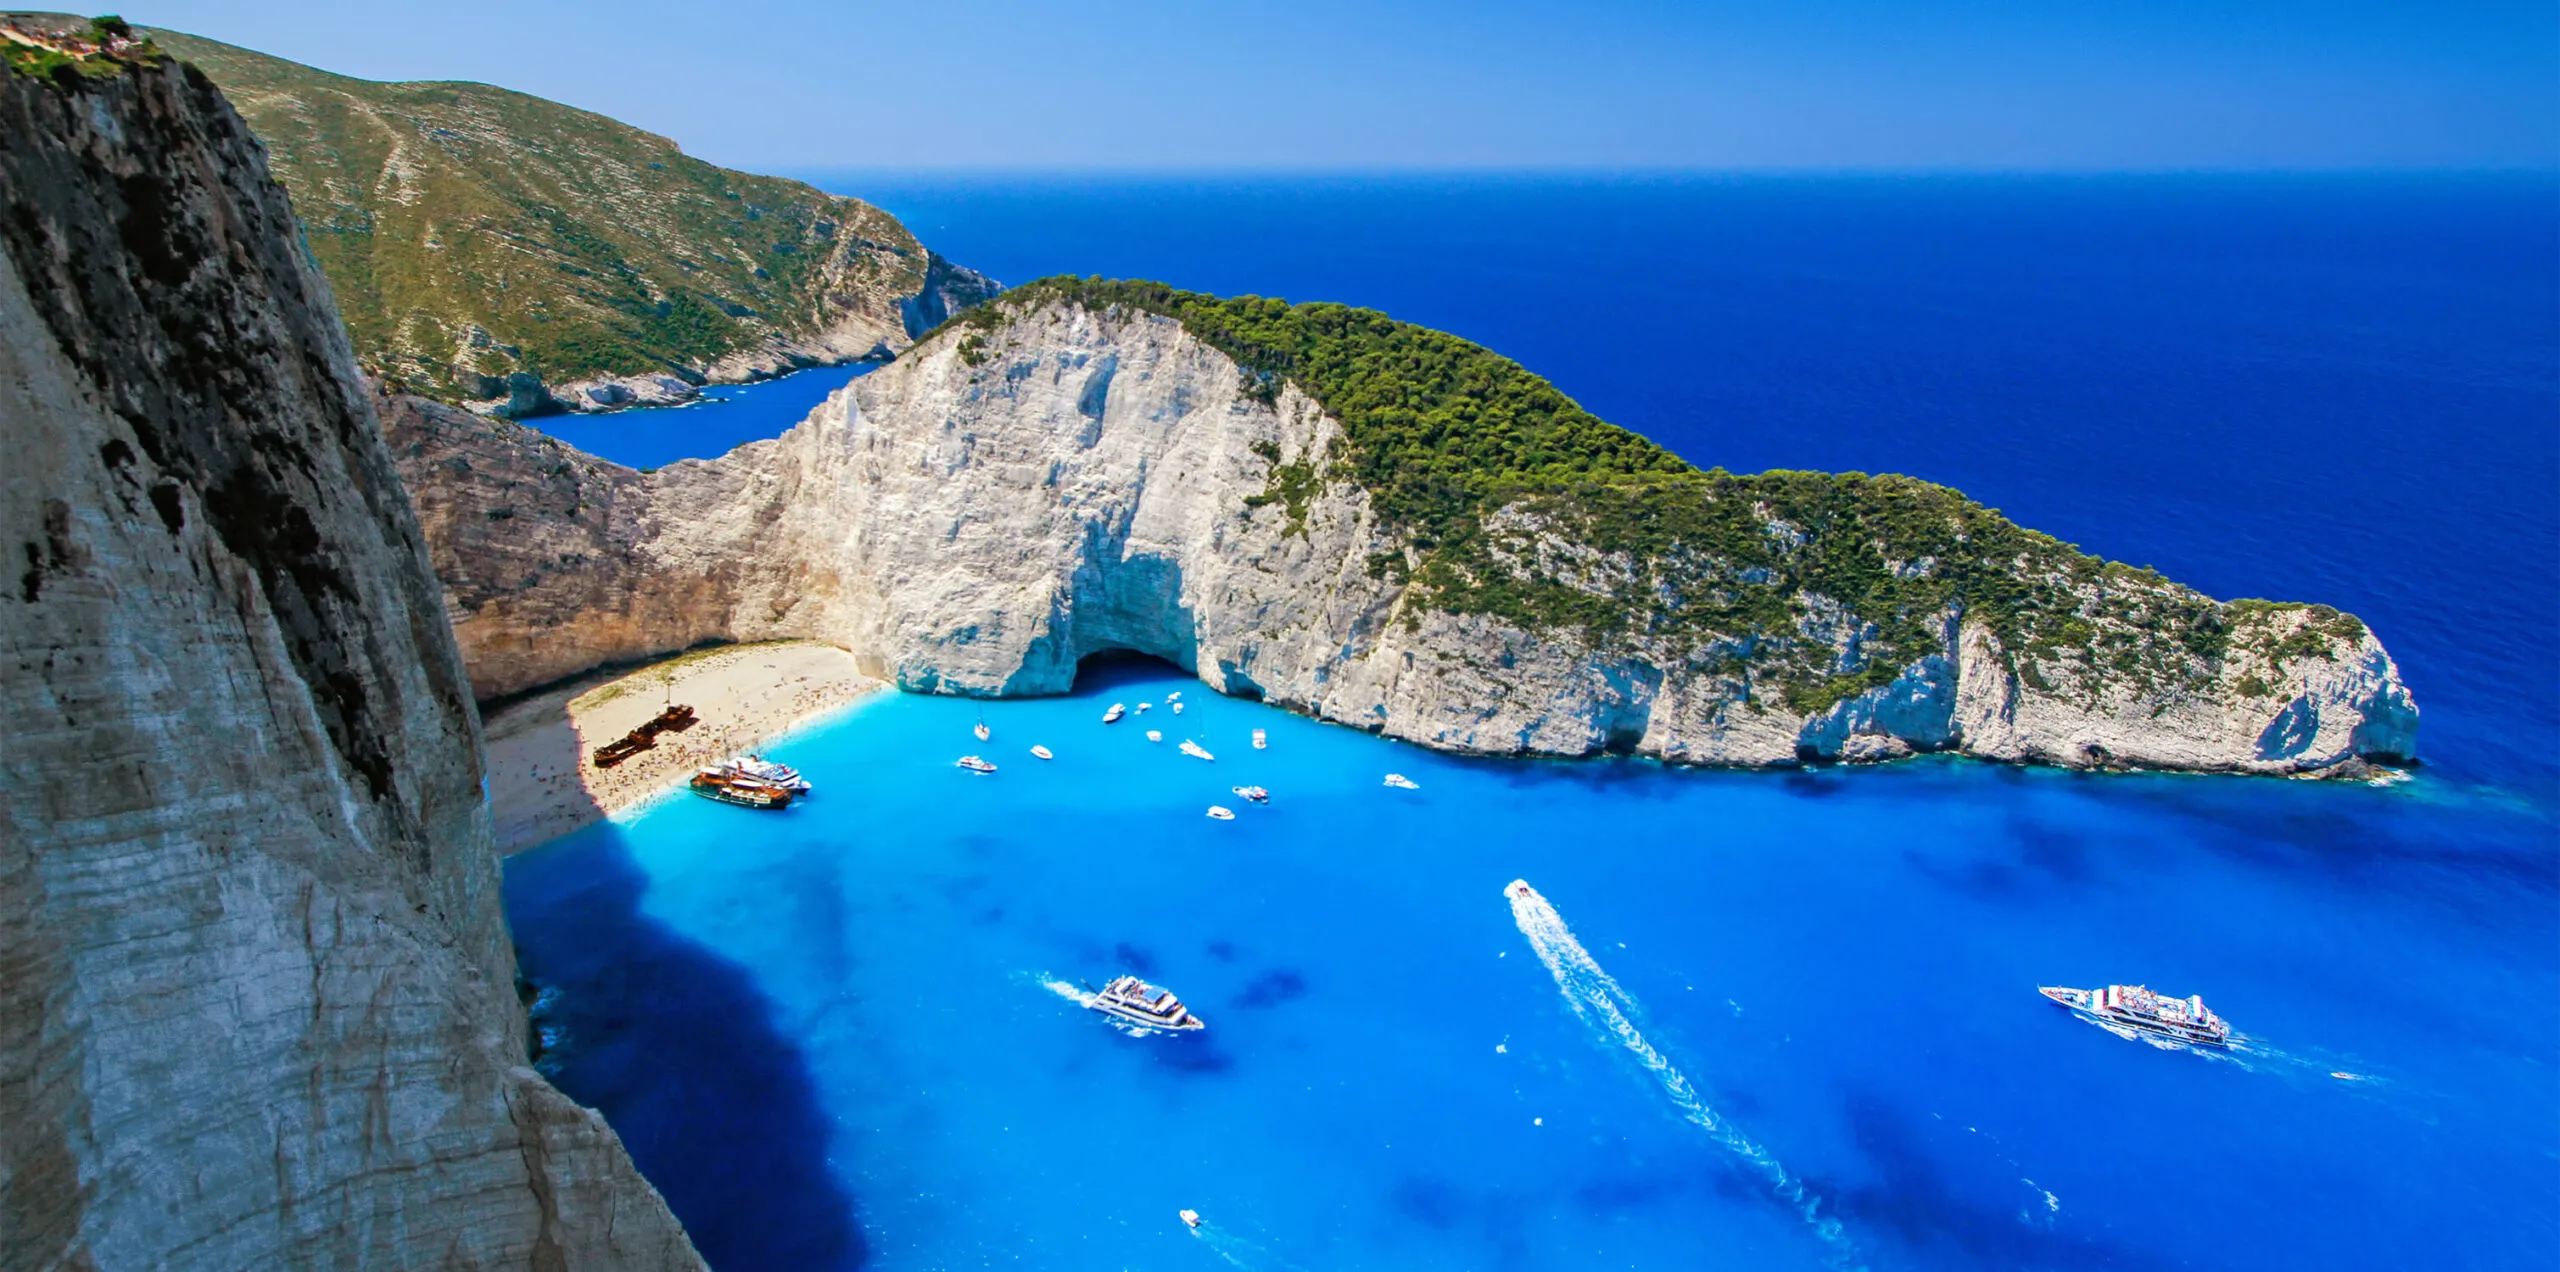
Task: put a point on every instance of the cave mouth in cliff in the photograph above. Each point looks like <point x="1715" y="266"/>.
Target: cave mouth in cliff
<point x="1121" y="666"/>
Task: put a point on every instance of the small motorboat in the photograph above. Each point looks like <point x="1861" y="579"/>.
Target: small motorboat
<point x="1177" y="708"/>
<point x="1195" y="750"/>
<point x="976" y="765"/>
<point x="1191" y="1218"/>
<point x="1254" y="793"/>
<point x="745" y="792"/>
<point x="1142" y="707"/>
<point x="1175" y="696"/>
<point x="1402" y="783"/>
<point x="1042" y="752"/>
<point x="1222" y="812"/>
<point x="1153" y="736"/>
<point x="1260" y="740"/>
<point x="1114" y="714"/>
<point x="1133" y="1001"/>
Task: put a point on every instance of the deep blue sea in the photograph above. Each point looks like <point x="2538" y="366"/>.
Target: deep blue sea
<point x="723" y="418"/>
<point x="1760" y="1020"/>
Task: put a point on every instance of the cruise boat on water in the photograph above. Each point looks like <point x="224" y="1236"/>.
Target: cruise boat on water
<point x="757" y="768"/>
<point x="1402" y="783"/>
<point x="1195" y="750"/>
<point x="745" y="792"/>
<point x="1254" y="793"/>
<point x="1042" y="752"/>
<point x="976" y="765"/>
<point x="1191" y="1218"/>
<point x="1113" y="715"/>
<point x="2137" y="1008"/>
<point x="1133" y="1001"/>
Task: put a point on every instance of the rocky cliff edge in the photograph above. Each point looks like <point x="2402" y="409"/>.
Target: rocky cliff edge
<point x="257" y="1003"/>
<point x="1061" y="479"/>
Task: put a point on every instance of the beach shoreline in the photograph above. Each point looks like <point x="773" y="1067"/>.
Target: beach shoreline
<point x="543" y="782"/>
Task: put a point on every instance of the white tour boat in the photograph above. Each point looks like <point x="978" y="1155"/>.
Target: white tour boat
<point x="1401" y="782"/>
<point x="976" y="765"/>
<point x="1136" y="1002"/>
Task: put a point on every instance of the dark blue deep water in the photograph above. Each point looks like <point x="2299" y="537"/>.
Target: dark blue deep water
<point x="1791" y="1018"/>
<point x="725" y="417"/>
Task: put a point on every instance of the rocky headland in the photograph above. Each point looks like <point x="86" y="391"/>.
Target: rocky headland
<point x="491" y="246"/>
<point x="1376" y="525"/>
<point x="257" y="1000"/>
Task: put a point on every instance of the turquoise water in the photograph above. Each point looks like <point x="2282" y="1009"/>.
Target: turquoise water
<point x="1807" y="1034"/>
<point x="725" y="417"/>
<point x="825" y="1033"/>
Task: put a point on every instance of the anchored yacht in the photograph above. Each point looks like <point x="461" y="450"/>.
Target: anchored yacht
<point x="1402" y="783"/>
<point x="1195" y="750"/>
<point x="1222" y="812"/>
<point x="1042" y="752"/>
<point x="2137" y="1008"/>
<point x="1117" y="710"/>
<point x="1261" y="740"/>
<point x="1133" y="1001"/>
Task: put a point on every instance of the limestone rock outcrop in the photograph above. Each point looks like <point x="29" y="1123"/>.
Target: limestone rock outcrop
<point x="990" y="509"/>
<point x="257" y="1000"/>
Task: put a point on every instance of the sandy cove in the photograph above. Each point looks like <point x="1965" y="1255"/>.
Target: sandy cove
<point x="542" y="784"/>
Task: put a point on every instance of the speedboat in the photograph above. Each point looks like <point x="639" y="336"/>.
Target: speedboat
<point x="745" y="792"/>
<point x="1153" y="736"/>
<point x="1222" y="812"/>
<point x="1114" y="713"/>
<point x="1142" y="707"/>
<point x="1260" y="740"/>
<point x="762" y="770"/>
<point x="976" y="765"/>
<point x="1177" y="708"/>
<point x="1042" y="752"/>
<point x="1519" y="889"/>
<point x="1254" y="793"/>
<point x="1191" y="1217"/>
<point x="1175" y="696"/>
<point x="1133" y="1001"/>
<point x="1401" y="782"/>
<point x="2136" y="1008"/>
<point x="1195" y="750"/>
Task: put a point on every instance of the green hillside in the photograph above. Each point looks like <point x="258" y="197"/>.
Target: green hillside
<point x="470" y="232"/>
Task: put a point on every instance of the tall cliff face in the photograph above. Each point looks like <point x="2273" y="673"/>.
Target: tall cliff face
<point x="1015" y="495"/>
<point x="256" y="995"/>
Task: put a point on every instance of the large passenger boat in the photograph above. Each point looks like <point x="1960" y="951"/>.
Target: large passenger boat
<point x="1133" y="1001"/>
<point x="2136" y="1008"/>
<point x="746" y="792"/>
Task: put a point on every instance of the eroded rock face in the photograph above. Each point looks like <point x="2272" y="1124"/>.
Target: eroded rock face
<point x="988" y="510"/>
<point x="256" y="995"/>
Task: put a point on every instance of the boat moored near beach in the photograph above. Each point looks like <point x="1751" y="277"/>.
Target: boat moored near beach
<point x="2136" y="1008"/>
<point x="1135" y="1002"/>
<point x="757" y="768"/>
<point x="745" y="792"/>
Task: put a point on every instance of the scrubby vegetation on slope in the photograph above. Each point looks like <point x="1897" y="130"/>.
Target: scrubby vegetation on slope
<point x="471" y="232"/>
<point x="1511" y="500"/>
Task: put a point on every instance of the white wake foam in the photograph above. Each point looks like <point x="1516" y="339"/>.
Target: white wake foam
<point x="1610" y="1012"/>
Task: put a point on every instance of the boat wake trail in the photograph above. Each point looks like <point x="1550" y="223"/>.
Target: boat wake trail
<point x="1241" y="1251"/>
<point x="1610" y="1011"/>
<point x="1066" y="991"/>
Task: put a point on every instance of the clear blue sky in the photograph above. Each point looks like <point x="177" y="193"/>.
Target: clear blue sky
<point x="1824" y="84"/>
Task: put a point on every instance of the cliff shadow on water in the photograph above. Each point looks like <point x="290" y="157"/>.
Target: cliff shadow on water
<point x="679" y="1050"/>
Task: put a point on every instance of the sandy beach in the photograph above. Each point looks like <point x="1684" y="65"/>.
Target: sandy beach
<point x="541" y="784"/>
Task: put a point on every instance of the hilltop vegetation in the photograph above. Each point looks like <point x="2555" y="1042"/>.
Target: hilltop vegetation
<point x="471" y="232"/>
<point x="1512" y="500"/>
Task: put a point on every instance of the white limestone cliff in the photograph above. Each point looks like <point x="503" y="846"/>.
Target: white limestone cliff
<point x="985" y="512"/>
<point x="257" y="1001"/>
